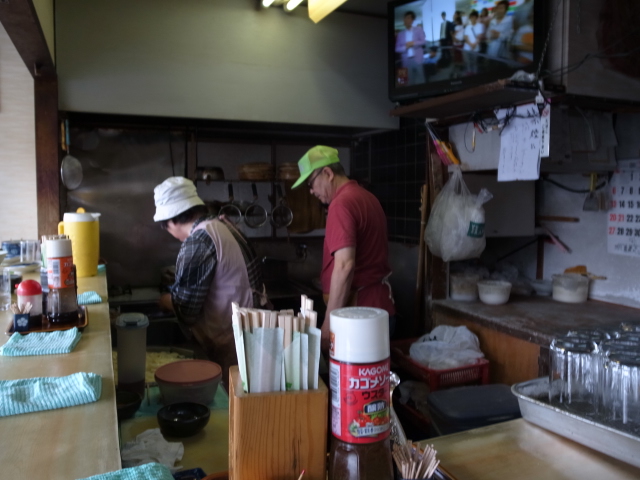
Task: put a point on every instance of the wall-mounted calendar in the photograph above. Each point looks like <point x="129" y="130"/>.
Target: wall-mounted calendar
<point x="623" y="228"/>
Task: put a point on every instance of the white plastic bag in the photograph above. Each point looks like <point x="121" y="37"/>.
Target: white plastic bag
<point x="446" y="347"/>
<point x="455" y="230"/>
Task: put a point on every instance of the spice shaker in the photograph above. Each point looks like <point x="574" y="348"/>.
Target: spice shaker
<point x="360" y="395"/>
<point x="62" y="301"/>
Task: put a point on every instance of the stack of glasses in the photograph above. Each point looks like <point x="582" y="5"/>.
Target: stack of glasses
<point x="597" y="373"/>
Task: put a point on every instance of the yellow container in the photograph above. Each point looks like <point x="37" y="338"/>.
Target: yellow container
<point x="84" y="231"/>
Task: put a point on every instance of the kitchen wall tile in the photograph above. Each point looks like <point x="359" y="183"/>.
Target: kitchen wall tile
<point x="395" y="164"/>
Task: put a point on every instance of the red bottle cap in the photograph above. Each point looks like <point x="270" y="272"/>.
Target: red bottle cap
<point x="28" y="288"/>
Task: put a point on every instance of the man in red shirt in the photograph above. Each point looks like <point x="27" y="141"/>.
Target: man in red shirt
<point x="355" y="265"/>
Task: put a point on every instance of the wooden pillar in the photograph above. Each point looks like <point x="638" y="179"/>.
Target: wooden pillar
<point x="47" y="153"/>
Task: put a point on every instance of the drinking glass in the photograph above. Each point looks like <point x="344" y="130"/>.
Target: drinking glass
<point x="5" y="289"/>
<point x="28" y="251"/>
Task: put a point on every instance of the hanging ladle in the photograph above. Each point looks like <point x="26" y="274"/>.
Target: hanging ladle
<point x="70" y="168"/>
<point x="591" y="202"/>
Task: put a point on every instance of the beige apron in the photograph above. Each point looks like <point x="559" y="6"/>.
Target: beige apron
<point x="230" y="284"/>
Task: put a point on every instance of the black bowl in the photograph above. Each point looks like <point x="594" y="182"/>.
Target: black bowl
<point x="183" y="419"/>
<point x="128" y="403"/>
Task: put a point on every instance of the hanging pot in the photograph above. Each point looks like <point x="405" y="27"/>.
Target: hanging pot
<point x="255" y="215"/>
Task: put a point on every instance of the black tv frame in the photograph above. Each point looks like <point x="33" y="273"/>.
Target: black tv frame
<point x="408" y="94"/>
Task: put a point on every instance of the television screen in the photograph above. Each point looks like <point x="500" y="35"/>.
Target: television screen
<point x="439" y="46"/>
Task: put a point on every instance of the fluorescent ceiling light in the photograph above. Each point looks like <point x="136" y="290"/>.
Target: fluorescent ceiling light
<point x="318" y="9"/>
<point x="266" y="3"/>
<point x="291" y="4"/>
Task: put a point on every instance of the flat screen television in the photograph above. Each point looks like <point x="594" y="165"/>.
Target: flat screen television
<point x="441" y="46"/>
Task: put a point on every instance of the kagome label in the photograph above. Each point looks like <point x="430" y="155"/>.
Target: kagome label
<point x="360" y="401"/>
<point x="60" y="272"/>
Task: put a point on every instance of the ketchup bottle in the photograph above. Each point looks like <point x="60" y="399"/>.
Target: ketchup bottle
<point x="359" y="379"/>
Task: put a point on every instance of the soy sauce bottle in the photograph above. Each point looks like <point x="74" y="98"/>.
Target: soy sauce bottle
<point x="360" y="398"/>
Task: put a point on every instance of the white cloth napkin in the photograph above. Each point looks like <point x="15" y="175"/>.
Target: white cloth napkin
<point x="150" y="446"/>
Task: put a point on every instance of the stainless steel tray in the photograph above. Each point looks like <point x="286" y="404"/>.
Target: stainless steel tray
<point x="603" y="438"/>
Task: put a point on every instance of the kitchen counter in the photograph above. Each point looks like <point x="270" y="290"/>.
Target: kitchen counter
<point x="539" y="319"/>
<point x="69" y="443"/>
<point x="515" y="337"/>
<point x="523" y="451"/>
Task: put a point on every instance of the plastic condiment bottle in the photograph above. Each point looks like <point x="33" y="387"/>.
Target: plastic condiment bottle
<point x="62" y="301"/>
<point x="132" y="351"/>
<point x="359" y="378"/>
<point x="30" y="291"/>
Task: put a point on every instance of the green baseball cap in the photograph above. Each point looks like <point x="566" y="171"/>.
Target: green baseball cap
<point x="317" y="157"/>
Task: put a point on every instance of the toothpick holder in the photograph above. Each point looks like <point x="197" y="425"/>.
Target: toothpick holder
<point x="20" y="322"/>
<point x="276" y="435"/>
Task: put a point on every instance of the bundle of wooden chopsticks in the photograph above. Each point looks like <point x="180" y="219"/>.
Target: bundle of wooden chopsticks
<point x="413" y="463"/>
<point x="21" y="309"/>
<point x="277" y="351"/>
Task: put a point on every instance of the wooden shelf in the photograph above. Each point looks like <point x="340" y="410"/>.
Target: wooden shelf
<point x="501" y="93"/>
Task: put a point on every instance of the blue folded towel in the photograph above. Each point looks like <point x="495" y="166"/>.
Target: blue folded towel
<point x="88" y="298"/>
<point x="41" y="343"/>
<point x="150" y="471"/>
<point x="48" y="393"/>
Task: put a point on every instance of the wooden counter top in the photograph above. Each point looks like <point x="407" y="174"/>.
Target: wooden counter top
<point x="68" y="443"/>
<point x="523" y="451"/>
<point x="539" y="319"/>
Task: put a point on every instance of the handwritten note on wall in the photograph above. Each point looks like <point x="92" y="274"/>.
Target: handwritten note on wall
<point x="523" y="141"/>
<point x="623" y="228"/>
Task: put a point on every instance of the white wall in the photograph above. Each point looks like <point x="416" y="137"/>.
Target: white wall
<point x="18" y="204"/>
<point x="221" y="59"/>
<point x="587" y="240"/>
<point x="44" y="9"/>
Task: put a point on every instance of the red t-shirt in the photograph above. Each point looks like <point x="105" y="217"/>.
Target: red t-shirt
<point x="356" y="219"/>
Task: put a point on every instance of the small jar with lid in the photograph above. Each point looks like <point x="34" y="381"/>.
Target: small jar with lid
<point x="30" y="291"/>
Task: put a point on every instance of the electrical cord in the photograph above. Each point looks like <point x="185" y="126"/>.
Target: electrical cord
<point x="574" y="190"/>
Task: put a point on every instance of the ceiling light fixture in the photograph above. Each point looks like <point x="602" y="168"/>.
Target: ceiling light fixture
<point x="267" y="3"/>
<point x="318" y="9"/>
<point x="291" y="4"/>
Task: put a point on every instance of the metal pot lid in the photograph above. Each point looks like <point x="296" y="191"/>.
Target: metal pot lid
<point x="71" y="172"/>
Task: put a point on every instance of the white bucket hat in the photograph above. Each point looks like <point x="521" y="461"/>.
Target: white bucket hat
<point x="174" y="196"/>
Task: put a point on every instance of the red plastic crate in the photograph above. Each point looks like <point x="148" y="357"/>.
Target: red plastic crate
<point x="478" y="373"/>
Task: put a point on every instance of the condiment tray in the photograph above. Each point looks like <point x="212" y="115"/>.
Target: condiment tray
<point x="83" y="320"/>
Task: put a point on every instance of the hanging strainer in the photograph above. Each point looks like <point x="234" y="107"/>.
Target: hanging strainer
<point x="255" y="215"/>
<point x="281" y="215"/>
<point x="230" y="210"/>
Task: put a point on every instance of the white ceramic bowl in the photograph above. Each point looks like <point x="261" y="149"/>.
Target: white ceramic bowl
<point x="494" y="292"/>
<point x="570" y="288"/>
